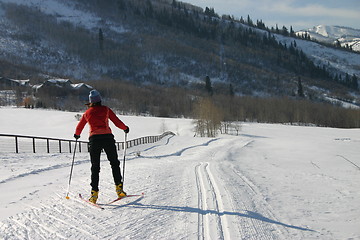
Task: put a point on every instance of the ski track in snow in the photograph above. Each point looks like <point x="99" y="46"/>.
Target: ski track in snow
<point x="212" y="221"/>
<point x="219" y="217"/>
<point x="237" y="213"/>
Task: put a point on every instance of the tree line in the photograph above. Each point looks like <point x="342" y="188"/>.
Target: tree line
<point x="212" y="110"/>
<point x="178" y="102"/>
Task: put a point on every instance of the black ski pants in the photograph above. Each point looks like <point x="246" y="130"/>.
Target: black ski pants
<point x="105" y="142"/>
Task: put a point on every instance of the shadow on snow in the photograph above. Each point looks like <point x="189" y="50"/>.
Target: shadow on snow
<point x="246" y="214"/>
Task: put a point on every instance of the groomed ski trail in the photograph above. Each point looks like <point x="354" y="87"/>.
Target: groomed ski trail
<point x="220" y="216"/>
<point x="212" y="221"/>
<point x="194" y="190"/>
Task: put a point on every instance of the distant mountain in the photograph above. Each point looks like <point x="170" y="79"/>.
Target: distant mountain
<point x="344" y="36"/>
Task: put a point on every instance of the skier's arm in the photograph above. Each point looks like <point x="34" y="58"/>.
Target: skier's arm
<point x="117" y="121"/>
<point x="80" y="126"/>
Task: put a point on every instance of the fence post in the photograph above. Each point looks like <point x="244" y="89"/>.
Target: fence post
<point x="16" y="144"/>
<point x="70" y="146"/>
<point x="34" y="145"/>
<point x="60" y="146"/>
<point x="47" y="145"/>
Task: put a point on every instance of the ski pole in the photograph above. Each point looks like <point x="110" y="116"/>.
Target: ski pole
<point x="125" y="147"/>
<point x="72" y="166"/>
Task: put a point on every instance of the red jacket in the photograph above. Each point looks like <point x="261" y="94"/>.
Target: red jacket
<point x="98" y="119"/>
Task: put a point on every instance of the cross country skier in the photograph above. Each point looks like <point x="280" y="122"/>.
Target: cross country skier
<point x="101" y="138"/>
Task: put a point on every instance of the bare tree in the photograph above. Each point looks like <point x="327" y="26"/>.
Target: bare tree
<point x="237" y="127"/>
<point x="209" y="118"/>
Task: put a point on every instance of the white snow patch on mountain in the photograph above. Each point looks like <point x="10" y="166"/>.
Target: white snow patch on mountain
<point x="341" y="61"/>
<point x="331" y="34"/>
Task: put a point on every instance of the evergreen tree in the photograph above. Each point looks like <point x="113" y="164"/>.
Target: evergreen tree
<point x="347" y="80"/>
<point x="208" y="86"/>
<point x="292" y="33"/>
<point x="260" y="24"/>
<point x="285" y="31"/>
<point x="242" y="20"/>
<point x="354" y="82"/>
<point x="210" y="12"/>
<point x="149" y="9"/>
<point x="249" y="21"/>
<point x="300" y="88"/>
<point x="101" y="39"/>
<point x="231" y="90"/>
<point x="277" y="29"/>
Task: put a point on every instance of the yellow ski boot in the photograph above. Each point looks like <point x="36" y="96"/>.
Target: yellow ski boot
<point x="94" y="196"/>
<point x="119" y="190"/>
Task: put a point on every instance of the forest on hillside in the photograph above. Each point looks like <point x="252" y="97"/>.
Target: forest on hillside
<point x="169" y="43"/>
<point x="168" y="58"/>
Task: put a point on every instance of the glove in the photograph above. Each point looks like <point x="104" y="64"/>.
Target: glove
<point x="76" y="136"/>
<point x="127" y="130"/>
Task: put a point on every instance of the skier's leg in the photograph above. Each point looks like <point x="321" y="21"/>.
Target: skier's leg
<point x="111" y="153"/>
<point x="95" y="152"/>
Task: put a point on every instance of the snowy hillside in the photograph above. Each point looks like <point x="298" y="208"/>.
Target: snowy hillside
<point x="65" y="11"/>
<point x="270" y="182"/>
<point x="51" y="52"/>
<point x="338" y="60"/>
<point x="331" y="34"/>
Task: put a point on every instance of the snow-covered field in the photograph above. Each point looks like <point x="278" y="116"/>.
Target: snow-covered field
<point x="270" y="182"/>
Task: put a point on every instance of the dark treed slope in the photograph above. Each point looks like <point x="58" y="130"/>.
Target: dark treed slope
<point x="180" y="53"/>
<point x="168" y="43"/>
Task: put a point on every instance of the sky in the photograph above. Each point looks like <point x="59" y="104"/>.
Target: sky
<point x="300" y="14"/>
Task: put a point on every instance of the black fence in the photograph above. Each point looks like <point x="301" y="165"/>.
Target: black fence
<point x="20" y="143"/>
